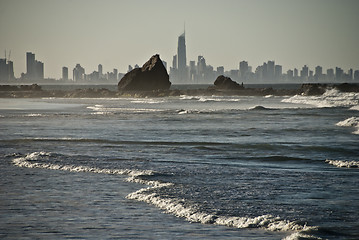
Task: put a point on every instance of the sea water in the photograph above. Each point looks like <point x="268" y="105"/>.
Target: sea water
<point x="187" y="167"/>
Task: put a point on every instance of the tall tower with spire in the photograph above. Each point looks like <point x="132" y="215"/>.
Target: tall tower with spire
<point x="181" y="58"/>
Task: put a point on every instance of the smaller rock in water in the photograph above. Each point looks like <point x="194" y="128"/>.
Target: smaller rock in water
<point x="227" y="83"/>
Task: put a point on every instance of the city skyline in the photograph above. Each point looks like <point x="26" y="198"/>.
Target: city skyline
<point x="118" y="33"/>
<point x="182" y="73"/>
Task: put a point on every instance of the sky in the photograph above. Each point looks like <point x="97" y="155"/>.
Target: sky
<point x="118" y="33"/>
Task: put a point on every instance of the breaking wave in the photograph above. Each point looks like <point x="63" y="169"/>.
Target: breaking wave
<point x="343" y="164"/>
<point x="211" y="98"/>
<point x="331" y="98"/>
<point x="100" y="109"/>
<point x="177" y="207"/>
<point x="148" y="101"/>
<point x="41" y="160"/>
<point x="350" y="122"/>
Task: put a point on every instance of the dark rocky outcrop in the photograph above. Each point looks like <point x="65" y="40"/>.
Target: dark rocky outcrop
<point x="348" y="87"/>
<point x="310" y="89"/>
<point x="152" y="76"/>
<point x="32" y="87"/>
<point x="226" y="83"/>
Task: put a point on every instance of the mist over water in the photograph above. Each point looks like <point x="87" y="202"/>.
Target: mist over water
<point x="238" y="167"/>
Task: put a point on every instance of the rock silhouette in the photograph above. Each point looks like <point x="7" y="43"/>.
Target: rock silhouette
<point x="226" y="83"/>
<point x="151" y="76"/>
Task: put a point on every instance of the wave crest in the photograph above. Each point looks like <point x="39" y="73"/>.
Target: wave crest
<point x="178" y="208"/>
<point x="343" y="164"/>
<point x="331" y="98"/>
<point x="41" y="160"/>
<point x="350" y="122"/>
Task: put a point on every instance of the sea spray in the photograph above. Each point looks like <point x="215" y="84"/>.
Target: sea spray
<point x="331" y="98"/>
<point x="350" y="122"/>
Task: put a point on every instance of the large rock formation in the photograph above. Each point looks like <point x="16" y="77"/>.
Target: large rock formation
<point x="226" y="83"/>
<point x="152" y="76"/>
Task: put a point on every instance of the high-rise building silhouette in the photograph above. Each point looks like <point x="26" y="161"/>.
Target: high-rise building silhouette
<point x="243" y="70"/>
<point x="78" y="73"/>
<point x="34" y="68"/>
<point x="30" y="65"/>
<point x="6" y="70"/>
<point x="65" y="73"/>
<point x="181" y="58"/>
<point x="99" y="68"/>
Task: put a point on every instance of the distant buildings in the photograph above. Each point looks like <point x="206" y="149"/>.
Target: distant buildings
<point x="65" y="73"/>
<point x="34" y="68"/>
<point x="80" y="76"/>
<point x="269" y="72"/>
<point x="78" y="73"/>
<point x="6" y="70"/>
<point x="197" y="72"/>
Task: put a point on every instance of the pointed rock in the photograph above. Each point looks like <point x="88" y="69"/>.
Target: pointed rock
<point x="151" y="76"/>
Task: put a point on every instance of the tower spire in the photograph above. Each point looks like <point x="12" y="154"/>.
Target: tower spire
<point x="184" y="28"/>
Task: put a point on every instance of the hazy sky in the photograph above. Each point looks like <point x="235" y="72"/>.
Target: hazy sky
<point x="117" y="33"/>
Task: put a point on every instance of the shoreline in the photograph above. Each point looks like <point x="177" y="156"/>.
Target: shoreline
<point x="36" y="91"/>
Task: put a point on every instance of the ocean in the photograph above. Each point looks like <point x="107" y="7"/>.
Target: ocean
<point x="186" y="167"/>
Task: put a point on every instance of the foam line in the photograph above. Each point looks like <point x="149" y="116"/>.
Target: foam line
<point x="178" y="208"/>
<point x="343" y="164"/>
<point x="29" y="161"/>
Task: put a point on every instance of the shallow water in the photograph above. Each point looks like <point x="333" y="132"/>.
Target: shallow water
<point x="220" y="167"/>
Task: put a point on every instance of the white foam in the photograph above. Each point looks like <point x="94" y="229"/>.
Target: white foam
<point x="190" y="111"/>
<point x="186" y="97"/>
<point x="211" y="98"/>
<point x="350" y="122"/>
<point x="96" y="107"/>
<point x="356" y="108"/>
<point x="218" y="99"/>
<point x="178" y="208"/>
<point x="100" y="109"/>
<point x="331" y="98"/>
<point x="102" y="113"/>
<point x="343" y="164"/>
<point x="147" y="101"/>
<point x="34" y="115"/>
<point x="301" y="235"/>
<point x="36" y="160"/>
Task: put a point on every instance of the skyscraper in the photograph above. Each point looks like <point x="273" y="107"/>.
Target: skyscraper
<point x="181" y="58"/>
<point x="78" y="73"/>
<point x="30" y="65"/>
<point x="243" y="70"/>
<point x="34" y="68"/>
<point x="99" y="70"/>
<point x="65" y="73"/>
